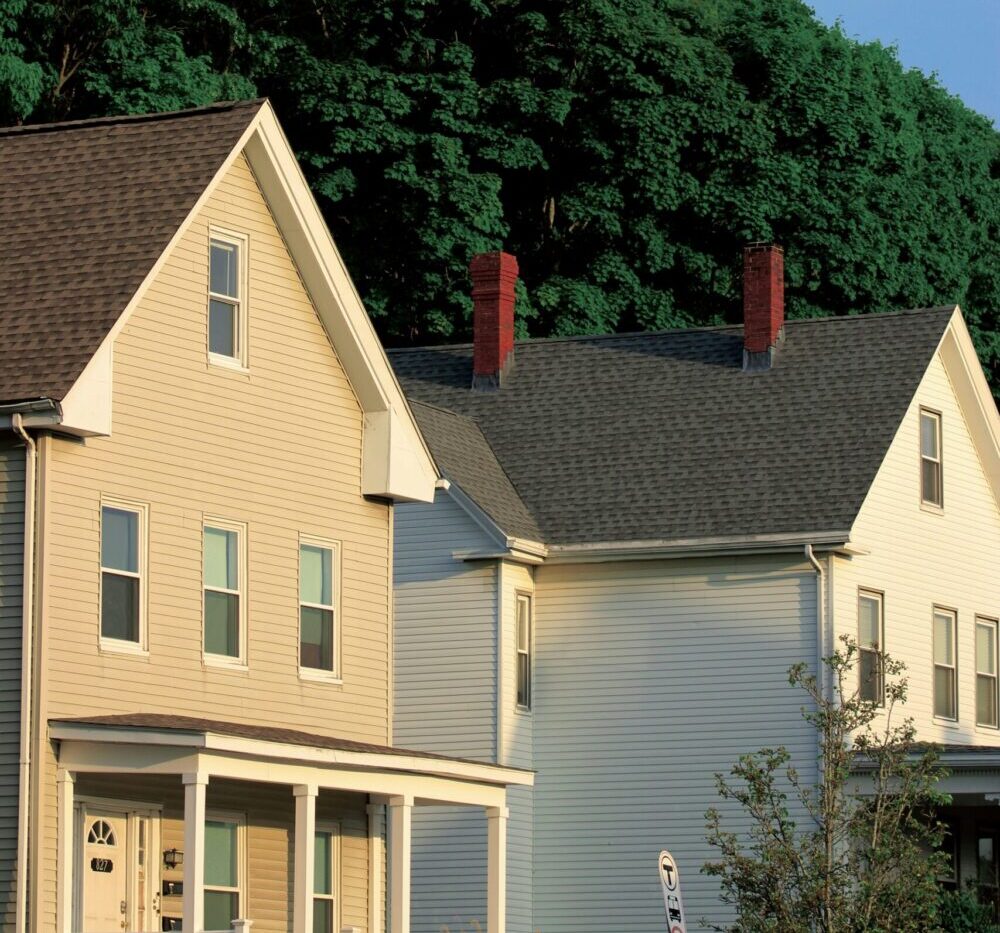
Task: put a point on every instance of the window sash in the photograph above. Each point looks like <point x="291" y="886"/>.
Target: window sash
<point x="987" y="681"/>
<point x="223" y="606"/>
<point x="122" y="622"/>
<point x="871" y="632"/>
<point x="226" y="296"/>
<point x="318" y="653"/>
<point x="931" y="483"/>
<point x="325" y="920"/>
<point x="234" y="892"/>
<point x="945" y="668"/>
<point x="523" y="646"/>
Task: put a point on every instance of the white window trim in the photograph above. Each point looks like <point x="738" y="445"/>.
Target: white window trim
<point x="953" y="667"/>
<point x="994" y="624"/>
<point x="240" y="819"/>
<point x="224" y="661"/>
<point x="332" y="827"/>
<point x="519" y="596"/>
<point x="879" y="597"/>
<point x="317" y="674"/>
<point x="118" y="645"/>
<point x="928" y="504"/>
<point x="241" y="241"/>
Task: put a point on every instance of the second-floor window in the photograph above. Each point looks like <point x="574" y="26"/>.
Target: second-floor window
<point x="122" y="538"/>
<point x="986" y="673"/>
<point x="945" y="681"/>
<point x="226" y="301"/>
<point x="524" y="651"/>
<point x="317" y="609"/>
<point x="931" y="483"/>
<point x="870" y="635"/>
<point x="223" y="591"/>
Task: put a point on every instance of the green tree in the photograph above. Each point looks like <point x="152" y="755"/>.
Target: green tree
<point x="862" y="855"/>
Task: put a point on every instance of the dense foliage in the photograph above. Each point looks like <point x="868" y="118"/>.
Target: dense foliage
<point x="623" y="149"/>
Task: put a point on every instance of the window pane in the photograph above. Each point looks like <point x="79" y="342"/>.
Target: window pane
<point x="870" y="677"/>
<point x="986" y="700"/>
<point x="323" y="871"/>
<point x="119" y="607"/>
<point x="868" y="622"/>
<point x="930" y="473"/>
<point x="929" y="436"/>
<point x="523" y="674"/>
<point x="221" y="862"/>
<point x="119" y="540"/>
<point x="222" y="611"/>
<point x="322" y="916"/>
<point x="944" y="647"/>
<point x="222" y="559"/>
<point x="316" y="575"/>
<point x="986" y="649"/>
<point x="221" y="909"/>
<point x="987" y="861"/>
<point x="224" y="269"/>
<point x="316" y="638"/>
<point x="944" y="692"/>
<point x="221" y="327"/>
<point x="523" y="616"/>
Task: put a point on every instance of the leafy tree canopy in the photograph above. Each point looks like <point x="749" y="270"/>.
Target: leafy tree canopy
<point x="624" y="150"/>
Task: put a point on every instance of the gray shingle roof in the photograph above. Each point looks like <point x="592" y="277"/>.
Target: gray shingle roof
<point x="662" y="436"/>
<point x="87" y="209"/>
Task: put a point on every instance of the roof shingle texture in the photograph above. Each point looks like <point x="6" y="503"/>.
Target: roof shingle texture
<point x="664" y="437"/>
<point x="87" y="208"/>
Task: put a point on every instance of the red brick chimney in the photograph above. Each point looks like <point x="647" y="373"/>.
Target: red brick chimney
<point x="763" y="304"/>
<point x="493" y="278"/>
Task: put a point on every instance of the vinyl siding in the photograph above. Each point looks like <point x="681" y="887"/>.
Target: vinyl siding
<point x="921" y="558"/>
<point x="269" y="811"/>
<point x="11" y="586"/>
<point x="652" y="676"/>
<point x="277" y="447"/>
<point x="445" y="695"/>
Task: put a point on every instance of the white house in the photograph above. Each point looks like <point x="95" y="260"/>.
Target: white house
<point x="638" y="535"/>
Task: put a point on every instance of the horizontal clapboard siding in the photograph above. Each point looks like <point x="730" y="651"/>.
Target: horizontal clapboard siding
<point x="920" y="558"/>
<point x="650" y="677"/>
<point x="11" y="586"/>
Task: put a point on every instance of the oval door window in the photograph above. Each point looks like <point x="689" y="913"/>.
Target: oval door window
<point x="102" y="833"/>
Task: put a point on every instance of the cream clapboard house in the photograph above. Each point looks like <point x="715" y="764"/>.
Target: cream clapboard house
<point x="641" y="534"/>
<point x="201" y="447"/>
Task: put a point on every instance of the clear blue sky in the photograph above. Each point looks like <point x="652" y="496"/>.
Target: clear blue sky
<point x="958" y="39"/>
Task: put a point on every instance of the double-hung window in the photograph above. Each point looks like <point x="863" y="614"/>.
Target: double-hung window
<point x="524" y="651"/>
<point x="224" y="870"/>
<point x="986" y="673"/>
<point x="317" y="606"/>
<point x="870" y="640"/>
<point x="945" y="679"/>
<point x="123" y="531"/>
<point x="326" y="875"/>
<point x="227" y="299"/>
<point x="224" y="604"/>
<point x="931" y="482"/>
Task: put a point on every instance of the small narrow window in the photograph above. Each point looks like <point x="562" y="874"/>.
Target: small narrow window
<point x="223" y="582"/>
<point x="325" y="877"/>
<point x="931" y="487"/>
<point x="122" y="539"/>
<point x="986" y="673"/>
<point x="524" y="651"/>
<point x="945" y="680"/>
<point x="226" y="303"/>
<point x="870" y="635"/>
<point x="223" y="872"/>
<point x="317" y="612"/>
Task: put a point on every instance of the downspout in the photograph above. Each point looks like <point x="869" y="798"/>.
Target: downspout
<point x="820" y="619"/>
<point x="27" y="668"/>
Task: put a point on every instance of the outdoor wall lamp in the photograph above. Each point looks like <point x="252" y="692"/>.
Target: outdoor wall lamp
<point x="173" y="858"/>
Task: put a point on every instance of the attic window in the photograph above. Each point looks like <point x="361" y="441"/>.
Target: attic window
<point x="931" y="484"/>
<point x="227" y="300"/>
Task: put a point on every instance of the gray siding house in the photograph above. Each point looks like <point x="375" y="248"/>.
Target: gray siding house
<point x="637" y="535"/>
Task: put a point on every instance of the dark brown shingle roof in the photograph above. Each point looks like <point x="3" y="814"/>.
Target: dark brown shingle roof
<point x="663" y="437"/>
<point x="87" y="209"/>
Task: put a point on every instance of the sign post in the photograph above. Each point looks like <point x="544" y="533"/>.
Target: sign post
<point x="670" y="881"/>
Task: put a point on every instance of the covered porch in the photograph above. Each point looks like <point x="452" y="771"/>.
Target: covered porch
<point x="168" y="822"/>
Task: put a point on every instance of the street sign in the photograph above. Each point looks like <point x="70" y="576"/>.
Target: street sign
<point x="670" y="881"/>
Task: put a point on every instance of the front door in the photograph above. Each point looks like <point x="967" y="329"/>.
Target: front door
<point x="105" y="871"/>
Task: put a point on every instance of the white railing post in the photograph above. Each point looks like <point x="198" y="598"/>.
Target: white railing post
<point x="496" y="867"/>
<point x="305" y="857"/>
<point x="195" y="786"/>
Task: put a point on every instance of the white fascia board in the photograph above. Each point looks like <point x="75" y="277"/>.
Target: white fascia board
<point x="396" y="462"/>
<point x="973" y="393"/>
<point x="508" y="546"/>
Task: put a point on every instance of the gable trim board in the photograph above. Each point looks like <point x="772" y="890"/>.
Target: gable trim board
<point x="396" y="463"/>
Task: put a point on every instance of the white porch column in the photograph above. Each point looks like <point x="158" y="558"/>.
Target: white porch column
<point x="305" y="856"/>
<point x="375" y="896"/>
<point x="496" y="866"/>
<point x="64" y="848"/>
<point x="400" y="832"/>
<point x="193" y="907"/>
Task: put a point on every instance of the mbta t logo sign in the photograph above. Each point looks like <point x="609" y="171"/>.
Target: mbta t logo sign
<point x="670" y="881"/>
